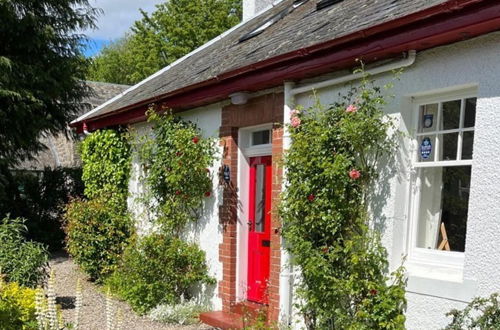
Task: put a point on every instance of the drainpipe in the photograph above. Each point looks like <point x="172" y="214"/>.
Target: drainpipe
<point x="287" y="273"/>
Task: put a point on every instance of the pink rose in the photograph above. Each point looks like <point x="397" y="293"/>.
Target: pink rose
<point x="294" y="113"/>
<point x="351" y="108"/>
<point x="354" y="174"/>
<point x="295" y="122"/>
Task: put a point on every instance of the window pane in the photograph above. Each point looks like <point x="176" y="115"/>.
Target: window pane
<point x="470" y="112"/>
<point x="448" y="146"/>
<point x="444" y="204"/>
<point x="451" y="114"/>
<point x="261" y="137"/>
<point x="260" y="174"/>
<point x="428" y="115"/>
<point x="426" y="146"/>
<point x="467" y="143"/>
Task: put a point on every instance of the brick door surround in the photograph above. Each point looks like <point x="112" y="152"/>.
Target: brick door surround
<point x="260" y="110"/>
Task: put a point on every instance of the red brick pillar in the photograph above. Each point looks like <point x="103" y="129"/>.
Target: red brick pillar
<point x="274" y="278"/>
<point x="228" y="213"/>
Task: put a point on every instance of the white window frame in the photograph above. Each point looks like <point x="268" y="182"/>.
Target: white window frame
<point x="431" y="262"/>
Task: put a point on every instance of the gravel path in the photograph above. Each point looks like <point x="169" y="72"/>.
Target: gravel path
<point x="93" y="312"/>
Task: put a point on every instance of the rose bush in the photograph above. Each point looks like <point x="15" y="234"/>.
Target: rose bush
<point x="330" y="166"/>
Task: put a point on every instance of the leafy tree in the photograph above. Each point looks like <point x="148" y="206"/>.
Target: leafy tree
<point x="41" y="71"/>
<point x="173" y="30"/>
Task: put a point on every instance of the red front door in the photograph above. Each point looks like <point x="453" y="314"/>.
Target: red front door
<point x="259" y="222"/>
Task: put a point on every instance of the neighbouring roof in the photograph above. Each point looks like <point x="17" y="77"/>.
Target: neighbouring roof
<point x="60" y="148"/>
<point x="301" y="27"/>
<point x="100" y="93"/>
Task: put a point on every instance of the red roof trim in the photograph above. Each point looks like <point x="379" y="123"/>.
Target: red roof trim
<point x="449" y="22"/>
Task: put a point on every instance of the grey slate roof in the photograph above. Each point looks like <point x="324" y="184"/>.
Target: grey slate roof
<point x="61" y="148"/>
<point x="301" y="28"/>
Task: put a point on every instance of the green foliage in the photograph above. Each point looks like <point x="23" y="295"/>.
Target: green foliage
<point x="330" y="166"/>
<point x="42" y="71"/>
<point x="176" y="160"/>
<point x="97" y="234"/>
<point x="159" y="270"/>
<point x="39" y="197"/>
<point x="17" y="307"/>
<point x="185" y="313"/>
<point x="480" y="314"/>
<point x="173" y="30"/>
<point x="106" y="166"/>
<point x="21" y="261"/>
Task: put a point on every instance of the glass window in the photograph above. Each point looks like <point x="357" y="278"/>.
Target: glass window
<point x="444" y="204"/>
<point x="260" y="179"/>
<point x="445" y="138"/>
<point x="446" y="131"/>
<point x="261" y="137"/>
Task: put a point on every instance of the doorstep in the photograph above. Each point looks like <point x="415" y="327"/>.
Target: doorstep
<point x="235" y="319"/>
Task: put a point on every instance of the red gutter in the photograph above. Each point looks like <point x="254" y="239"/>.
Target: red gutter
<point x="446" y="23"/>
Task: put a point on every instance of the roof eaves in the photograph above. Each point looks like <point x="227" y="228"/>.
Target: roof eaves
<point x="156" y="74"/>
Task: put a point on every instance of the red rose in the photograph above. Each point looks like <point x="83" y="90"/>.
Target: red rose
<point x="326" y="249"/>
<point x="178" y="192"/>
<point x="208" y="194"/>
<point x="311" y="197"/>
<point x="354" y="174"/>
<point x="373" y="292"/>
<point x="196" y="139"/>
<point x="178" y="153"/>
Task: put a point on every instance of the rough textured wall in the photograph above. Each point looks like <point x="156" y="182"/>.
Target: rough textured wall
<point x="207" y="233"/>
<point x="469" y="62"/>
<point x="252" y="7"/>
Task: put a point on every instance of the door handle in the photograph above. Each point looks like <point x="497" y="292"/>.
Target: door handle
<point x="249" y="223"/>
<point x="266" y="243"/>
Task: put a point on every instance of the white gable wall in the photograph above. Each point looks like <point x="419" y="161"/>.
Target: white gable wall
<point x="473" y="62"/>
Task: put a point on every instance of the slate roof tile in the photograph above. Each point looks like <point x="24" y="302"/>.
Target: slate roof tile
<point x="300" y="28"/>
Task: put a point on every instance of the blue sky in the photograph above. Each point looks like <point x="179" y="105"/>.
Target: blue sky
<point x="116" y="20"/>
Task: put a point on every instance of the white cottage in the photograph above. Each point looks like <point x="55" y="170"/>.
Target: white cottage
<point x="241" y="87"/>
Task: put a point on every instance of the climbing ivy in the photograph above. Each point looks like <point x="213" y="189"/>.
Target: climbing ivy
<point x="331" y="166"/>
<point x="106" y="157"/>
<point x="176" y="160"/>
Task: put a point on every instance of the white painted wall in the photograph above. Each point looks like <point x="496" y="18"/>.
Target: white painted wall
<point x="207" y="232"/>
<point x="473" y="62"/>
<point x="252" y="7"/>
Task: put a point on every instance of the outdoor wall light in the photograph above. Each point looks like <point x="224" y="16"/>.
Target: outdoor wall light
<point x="239" y="98"/>
<point x="226" y="172"/>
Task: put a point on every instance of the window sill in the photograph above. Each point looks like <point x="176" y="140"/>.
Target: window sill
<point x="438" y="280"/>
<point x="463" y="291"/>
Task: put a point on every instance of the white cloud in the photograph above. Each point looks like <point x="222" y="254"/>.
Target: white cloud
<point x="118" y="16"/>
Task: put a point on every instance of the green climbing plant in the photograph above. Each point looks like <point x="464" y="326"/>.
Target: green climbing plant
<point x="176" y="160"/>
<point x="331" y="166"/>
<point x="106" y="158"/>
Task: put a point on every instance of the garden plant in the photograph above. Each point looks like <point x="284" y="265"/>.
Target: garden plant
<point x="331" y="167"/>
<point x="161" y="268"/>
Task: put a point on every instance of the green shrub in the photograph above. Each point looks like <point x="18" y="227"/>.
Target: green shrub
<point x="480" y="314"/>
<point x="157" y="270"/>
<point x="97" y="233"/>
<point x="17" y="307"/>
<point x="106" y="166"/>
<point x="21" y="261"/>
